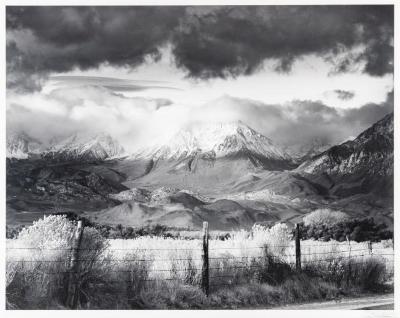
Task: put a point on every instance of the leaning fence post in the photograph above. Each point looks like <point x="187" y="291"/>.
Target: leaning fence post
<point x="298" y="248"/>
<point x="72" y="290"/>
<point x="205" y="284"/>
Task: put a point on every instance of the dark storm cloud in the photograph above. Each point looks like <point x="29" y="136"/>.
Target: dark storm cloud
<point x="58" y="39"/>
<point x="230" y="41"/>
<point x="343" y="94"/>
<point x="206" y="42"/>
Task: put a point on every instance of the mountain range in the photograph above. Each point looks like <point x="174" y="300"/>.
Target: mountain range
<point x="370" y="153"/>
<point x="361" y="165"/>
<point x="215" y="140"/>
<point x="78" y="146"/>
<point x="20" y="145"/>
<point x="225" y="173"/>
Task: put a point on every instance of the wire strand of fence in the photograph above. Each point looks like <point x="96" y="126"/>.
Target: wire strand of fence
<point x="281" y="258"/>
<point x="143" y="280"/>
<point x="335" y="252"/>
<point x="183" y="249"/>
<point x="160" y="259"/>
<point x="94" y="249"/>
<point x="107" y="260"/>
<point x="305" y="262"/>
<point x="222" y="276"/>
<point x="221" y="284"/>
<point x="236" y="248"/>
<point x="236" y="257"/>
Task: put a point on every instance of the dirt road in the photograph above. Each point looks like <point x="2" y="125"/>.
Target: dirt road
<point x="376" y="302"/>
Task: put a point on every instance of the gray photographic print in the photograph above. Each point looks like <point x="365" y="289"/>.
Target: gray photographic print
<point x="199" y="157"/>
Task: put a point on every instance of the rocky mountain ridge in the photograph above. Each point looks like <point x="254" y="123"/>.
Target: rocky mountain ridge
<point x="371" y="153"/>
<point x="78" y="146"/>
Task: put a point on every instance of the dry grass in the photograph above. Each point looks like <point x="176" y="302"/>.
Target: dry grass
<point x="244" y="249"/>
<point x="246" y="270"/>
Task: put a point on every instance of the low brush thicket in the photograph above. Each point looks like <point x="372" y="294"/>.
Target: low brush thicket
<point x="161" y="273"/>
<point x="120" y="231"/>
<point x="359" y="230"/>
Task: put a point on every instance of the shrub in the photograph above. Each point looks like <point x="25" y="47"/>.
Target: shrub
<point x="170" y="295"/>
<point x="277" y="237"/>
<point x="92" y="268"/>
<point x="40" y="281"/>
<point x="116" y="284"/>
<point x="272" y="270"/>
<point x="53" y="231"/>
<point x="387" y="243"/>
<point x="359" y="230"/>
<point x="324" y="217"/>
<point x="367" y="275"/>
<point x="12" y="232"/>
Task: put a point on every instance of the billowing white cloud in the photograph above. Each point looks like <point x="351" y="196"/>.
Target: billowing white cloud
<point x="139" y="121"/>
<point x="297" y="121"/>
<point x="87" y="109"/>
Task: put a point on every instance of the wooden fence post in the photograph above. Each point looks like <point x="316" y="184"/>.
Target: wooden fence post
<point x="205" y="283"/>
<point x="370" y="247"/>
<point x="72" y="290"/>
<point x="349" y="261"/>
<point x="298" y="248"/>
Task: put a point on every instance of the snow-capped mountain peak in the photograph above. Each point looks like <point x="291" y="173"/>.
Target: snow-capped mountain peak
<point x="20" y="145"/>
<point x="86" y="147"/>
<point x="218" y="139"/>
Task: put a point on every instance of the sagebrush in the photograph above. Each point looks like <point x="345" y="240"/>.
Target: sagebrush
<point x="165" y="272"/>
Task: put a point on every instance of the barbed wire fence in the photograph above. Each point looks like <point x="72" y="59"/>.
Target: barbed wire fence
<point x="207" y="276"/>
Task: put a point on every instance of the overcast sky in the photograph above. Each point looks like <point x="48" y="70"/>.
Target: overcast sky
<point x="293" y="73"/>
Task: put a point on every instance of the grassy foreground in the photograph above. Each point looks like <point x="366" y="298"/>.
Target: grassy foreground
<point x="246" y="271"/>
<point x="277" y="283"/>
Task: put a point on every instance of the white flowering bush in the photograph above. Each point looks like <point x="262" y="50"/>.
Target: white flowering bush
<point x="53" y="231"/>
<point x="38" y="262"/>
<point x="324" y="216"/>
<point x="277" y="238"/>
